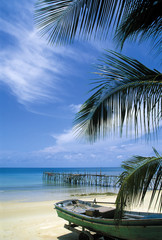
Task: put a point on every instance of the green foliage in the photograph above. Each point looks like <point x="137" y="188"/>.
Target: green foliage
<point x="126" y="92"/>
<point x="64" y="20"/>
<point x="139" y="173"/>
<point x="144" y="21"/>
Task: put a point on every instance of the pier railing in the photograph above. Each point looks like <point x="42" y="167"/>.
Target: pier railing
<point x="81" y="179"/>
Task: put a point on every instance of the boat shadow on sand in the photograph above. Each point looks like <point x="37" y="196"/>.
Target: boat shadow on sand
<point x="69" y="236"/>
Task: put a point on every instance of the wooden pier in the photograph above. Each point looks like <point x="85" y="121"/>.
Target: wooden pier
<point x="81" y="179"/>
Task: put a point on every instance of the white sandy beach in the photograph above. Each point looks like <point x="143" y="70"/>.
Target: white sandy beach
<point x="38" y="220"/>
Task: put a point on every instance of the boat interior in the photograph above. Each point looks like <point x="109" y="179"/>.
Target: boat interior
<point x="91" y="209"/>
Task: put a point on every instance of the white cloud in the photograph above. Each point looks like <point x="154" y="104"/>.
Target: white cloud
<point x="53" y="149"/>
<point x="64" y="138"/>
<point x="119" y="156"/>
<point x="68" y="157"/>
<point x="102" y="153"/>
<point x="75" y="107"/>
<point x="62" y="142"/>
<point x="26" y="68"/>
<point x="68" y="152"/>
<point x="123" y="145"/>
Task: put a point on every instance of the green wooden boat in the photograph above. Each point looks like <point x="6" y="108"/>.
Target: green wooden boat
<point x="99" y="219"/>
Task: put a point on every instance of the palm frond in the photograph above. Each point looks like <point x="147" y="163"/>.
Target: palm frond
<point x="62" y="20"/>
<point x="135" y="181"/>
<point x="145" y="20"/>
<point x="126" y="92"/>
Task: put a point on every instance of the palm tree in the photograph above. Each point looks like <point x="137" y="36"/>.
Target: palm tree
<point x="127" y="92"/>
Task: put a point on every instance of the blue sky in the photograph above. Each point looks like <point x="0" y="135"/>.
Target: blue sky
<point x="41" y="89"/>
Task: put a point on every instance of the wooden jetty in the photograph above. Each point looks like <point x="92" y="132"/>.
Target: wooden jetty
<point x="81" y="179"/>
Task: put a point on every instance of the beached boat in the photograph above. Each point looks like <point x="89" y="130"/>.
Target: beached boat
<point x="99" y="219"/>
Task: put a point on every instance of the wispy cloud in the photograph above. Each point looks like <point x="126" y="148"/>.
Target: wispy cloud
<point x="27" y="67"/>
<point x="31" y="68"/>
<point x="75" y="108"/>
<point x="63" y="143"/>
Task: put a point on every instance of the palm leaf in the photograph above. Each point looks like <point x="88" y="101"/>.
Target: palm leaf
<point x="140" y="173"/>
<point x="63" y="20"/>
<point x="144" y="21"/>
<point x="127" y="92"/>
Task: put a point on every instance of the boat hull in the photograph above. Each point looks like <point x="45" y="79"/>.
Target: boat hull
<point x="143" y="229"/>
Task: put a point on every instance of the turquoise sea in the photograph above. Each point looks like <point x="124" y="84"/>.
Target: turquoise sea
<point x="26" y="184"/>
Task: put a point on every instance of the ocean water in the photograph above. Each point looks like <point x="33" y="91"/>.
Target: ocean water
<point x="26" y="184"/>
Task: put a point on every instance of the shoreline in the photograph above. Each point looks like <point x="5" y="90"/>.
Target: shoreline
<point x="52" y="193"/>
<point x="39" y="221"/>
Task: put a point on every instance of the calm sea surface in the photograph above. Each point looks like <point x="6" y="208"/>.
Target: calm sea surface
<point x="26" y="184"/>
